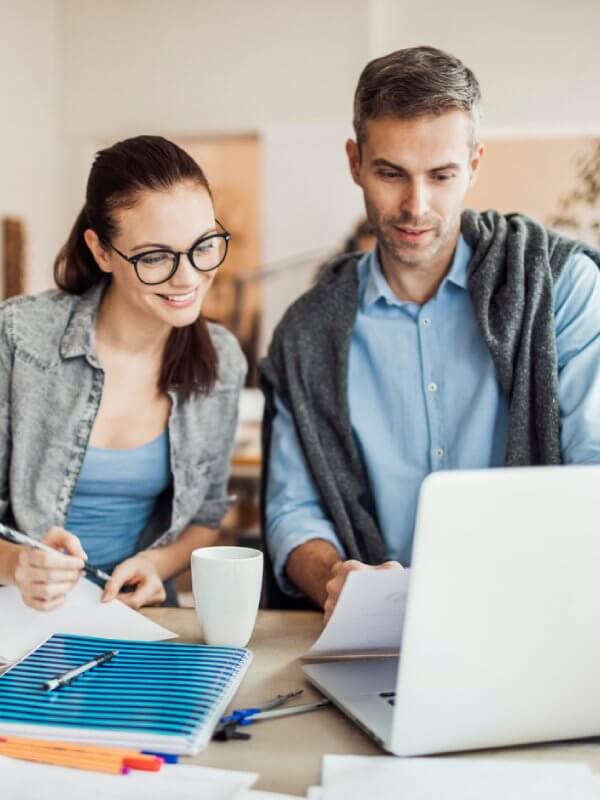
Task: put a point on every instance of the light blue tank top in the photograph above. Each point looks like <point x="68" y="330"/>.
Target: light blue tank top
<point x="114" y="497"/>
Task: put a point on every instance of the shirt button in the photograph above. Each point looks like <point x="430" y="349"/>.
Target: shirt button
<point x="440" y="452"/>
<point x="426" y="321"/>
<point x="432" y="387"/>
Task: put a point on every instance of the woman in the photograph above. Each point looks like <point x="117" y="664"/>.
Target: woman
<point x="118" y="402"/>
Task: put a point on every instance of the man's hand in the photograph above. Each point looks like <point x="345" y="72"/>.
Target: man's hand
<point x="140" y="572"/>
<point x="339" y="573"/>
<point x="45" y="578"/>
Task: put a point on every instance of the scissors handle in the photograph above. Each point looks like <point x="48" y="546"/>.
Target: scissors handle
<point x="244" y="716"/>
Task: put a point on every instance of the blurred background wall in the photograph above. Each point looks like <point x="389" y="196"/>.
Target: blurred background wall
<point x="80" y="74"/>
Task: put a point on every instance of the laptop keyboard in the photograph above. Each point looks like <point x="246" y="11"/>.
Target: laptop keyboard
<point x="389" y="697"/>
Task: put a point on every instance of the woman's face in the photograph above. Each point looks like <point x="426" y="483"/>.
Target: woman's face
<point x="174" y="220"/>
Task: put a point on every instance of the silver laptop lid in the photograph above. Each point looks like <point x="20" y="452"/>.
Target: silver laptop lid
<point x="501" y="642"/>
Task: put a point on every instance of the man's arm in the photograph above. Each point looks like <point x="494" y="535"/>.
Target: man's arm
<point x="577" y="319"/>
<point x="309" y="567"/>
<point x="301" y="538"/>
<point x="306" y="553"/>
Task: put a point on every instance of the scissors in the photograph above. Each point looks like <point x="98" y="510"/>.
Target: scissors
<point x="227" y="727"/>
<point x="245" y="716"/>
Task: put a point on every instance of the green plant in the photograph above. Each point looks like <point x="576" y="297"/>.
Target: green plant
<point x="579" y="210"/>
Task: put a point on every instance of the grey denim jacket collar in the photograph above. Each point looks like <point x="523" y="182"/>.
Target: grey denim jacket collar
<point x="79" y="338"/>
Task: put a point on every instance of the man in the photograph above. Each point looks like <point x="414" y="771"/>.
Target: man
<point x="462" y="341"/>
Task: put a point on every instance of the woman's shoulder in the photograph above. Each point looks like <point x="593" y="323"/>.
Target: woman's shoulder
<point x="40" y="317"/>
<point x="232" y="361"/>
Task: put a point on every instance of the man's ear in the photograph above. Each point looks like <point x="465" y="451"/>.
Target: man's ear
<point x="477" y="155"/>
<point x="98" y="250"/>
<point x="353" y="153"/>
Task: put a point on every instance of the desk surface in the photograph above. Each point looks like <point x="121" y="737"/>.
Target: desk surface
<point x="287" y="752"/>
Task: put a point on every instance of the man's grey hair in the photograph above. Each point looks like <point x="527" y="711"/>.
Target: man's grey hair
<point x="415" y="82"/>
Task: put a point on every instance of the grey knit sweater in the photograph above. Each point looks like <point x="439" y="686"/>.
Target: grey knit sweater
<point x="514" y="267"/>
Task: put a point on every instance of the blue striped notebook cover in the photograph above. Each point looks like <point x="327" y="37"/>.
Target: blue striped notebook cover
<point x="152" y="695"/>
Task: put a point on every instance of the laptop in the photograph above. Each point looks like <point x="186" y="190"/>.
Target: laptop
<point x="501" y="639"/>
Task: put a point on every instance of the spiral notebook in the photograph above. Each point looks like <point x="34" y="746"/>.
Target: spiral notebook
<point x="152" y="696"/>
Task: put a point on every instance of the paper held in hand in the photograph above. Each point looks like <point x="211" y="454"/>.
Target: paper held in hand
<point x="368" y="618"/>
<point x="23" y="628"/>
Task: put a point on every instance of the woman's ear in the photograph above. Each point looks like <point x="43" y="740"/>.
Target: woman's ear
<point x="98" y="250"/>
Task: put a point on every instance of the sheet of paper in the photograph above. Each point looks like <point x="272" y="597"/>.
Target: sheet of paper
<point x="369" y="614"/>
<point x="255" y="794"/>
<point x="24" y="628"/>
<point x="387" y="778"/>
<point x="23" y="780"/>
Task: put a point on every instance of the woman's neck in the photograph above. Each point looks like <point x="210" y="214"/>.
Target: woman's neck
<point x="125" y="329"/>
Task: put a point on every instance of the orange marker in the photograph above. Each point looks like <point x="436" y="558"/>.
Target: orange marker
<point x="130" y="758"/>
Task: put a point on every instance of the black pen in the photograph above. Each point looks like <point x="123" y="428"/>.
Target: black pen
<point x="16" y="537"/>
<point x="62" y="680"/>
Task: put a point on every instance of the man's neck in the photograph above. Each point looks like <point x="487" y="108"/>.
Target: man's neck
<point x="417" y="283"/>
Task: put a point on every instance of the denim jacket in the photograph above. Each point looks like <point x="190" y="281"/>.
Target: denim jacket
<point x="50" y="390"/>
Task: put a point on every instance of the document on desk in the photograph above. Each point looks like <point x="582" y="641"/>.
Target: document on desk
<point x="368" y="618"/>
<point x="25" y="628"/>
<point x="387" y="778"/>
<point x="23" y="780"/>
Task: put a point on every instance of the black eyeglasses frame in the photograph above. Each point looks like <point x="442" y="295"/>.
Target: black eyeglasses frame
<point x="133" y="260"/>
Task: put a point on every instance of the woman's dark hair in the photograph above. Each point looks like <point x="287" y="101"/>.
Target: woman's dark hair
<point x="118" y="176"/>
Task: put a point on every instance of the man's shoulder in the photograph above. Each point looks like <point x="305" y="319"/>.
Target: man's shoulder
<point x="579" y="281"/>
<point x="560" y="248"/>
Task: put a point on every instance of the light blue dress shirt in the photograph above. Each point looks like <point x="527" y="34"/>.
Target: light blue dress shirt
<point x="423" y="396"/>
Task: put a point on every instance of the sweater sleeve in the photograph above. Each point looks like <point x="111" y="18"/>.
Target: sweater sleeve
<point x="294" y="512"/>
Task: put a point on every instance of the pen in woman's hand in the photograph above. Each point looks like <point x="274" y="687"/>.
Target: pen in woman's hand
<point x="17" y="537"/>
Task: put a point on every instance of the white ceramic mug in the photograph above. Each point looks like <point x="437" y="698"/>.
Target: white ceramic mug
<point x="226" y="582"/>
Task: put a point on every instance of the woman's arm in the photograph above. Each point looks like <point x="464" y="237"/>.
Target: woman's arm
<point x="172" y="559"/>
<point x="9" y="554"/>
<point x="148" y="569"/>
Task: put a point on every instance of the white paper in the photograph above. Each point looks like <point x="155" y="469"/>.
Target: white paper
<point x="23" y="628"/>
<point x="357" y="777"/>
<point x="24" y="780"/>
<point x="369" y="614"/>
<point x="255" y="794"/>
<point x="314" y="793"/>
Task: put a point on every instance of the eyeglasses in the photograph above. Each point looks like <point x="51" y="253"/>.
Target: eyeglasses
<point x="157" y="266"/>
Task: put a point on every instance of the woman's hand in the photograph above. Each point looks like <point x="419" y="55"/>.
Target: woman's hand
<point x="141" y="573"/>
<point x="45" y="578"/>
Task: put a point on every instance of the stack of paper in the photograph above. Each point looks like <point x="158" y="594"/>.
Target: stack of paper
<point x="24" y="781"/>
<point x="344" y="778"/>
<point x="21" y="780"/>
<point x="452" y="778"/>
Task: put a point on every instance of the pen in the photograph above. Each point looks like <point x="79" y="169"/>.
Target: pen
<point x="16" y="537"/>
<point x="54" y="683"/>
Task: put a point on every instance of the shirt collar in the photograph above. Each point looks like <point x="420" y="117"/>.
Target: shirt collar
<point x="377" y="288"/>
<point x="79" y="336"/>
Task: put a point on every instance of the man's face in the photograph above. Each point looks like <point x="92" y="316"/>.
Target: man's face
<point x="414" y="174"/>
